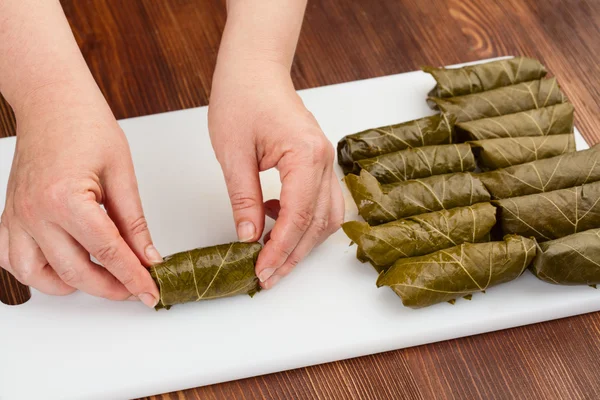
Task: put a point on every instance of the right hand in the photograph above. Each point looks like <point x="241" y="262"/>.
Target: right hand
<point x="70" y="159"/>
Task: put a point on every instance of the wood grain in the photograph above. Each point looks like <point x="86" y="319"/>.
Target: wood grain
<point x="154" y="56"/>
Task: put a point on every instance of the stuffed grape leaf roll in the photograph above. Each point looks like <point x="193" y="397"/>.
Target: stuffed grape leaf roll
<point x="571" y="260"/>
<point x="477" y="78"/>
<point x="421" y="234"/>
<point x="458" y="271"/>
<point x="561" y="172"/>
<point x="378" y="203"/>
<point x="436" y="129"/>
<point x="419" y="162"/>
<point x="551" y="215"/>
<point x="505" y="152"/>
<point x="545" y="121"/>
<point x="505" y="100"/>
<point x="207" y="273"/>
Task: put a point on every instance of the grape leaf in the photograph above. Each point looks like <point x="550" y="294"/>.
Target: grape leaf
<point x="551" y="215"/>
<point x="378" y="203"/>
<point x="458" y="271"/>
<point x="552" y="120"/>
<point x="477" y="78"/>
<point x="422" y="234"/>
<point x="571" y="260"/>
<point x="207" y="273"/>
<point x="419" y="162"/>
<point x="505" y="152"/>
<point x="561" y="172"/>
<point x="437" y="129"/>
<point x="505" y="100"/>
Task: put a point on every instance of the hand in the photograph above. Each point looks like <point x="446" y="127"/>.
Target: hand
<point x="70" y="158"/>
<point x="258" y="122"/>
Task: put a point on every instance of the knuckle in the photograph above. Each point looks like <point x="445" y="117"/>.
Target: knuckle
<point x="24" y="208"/>
<point x="107" y="254"/>
<point x="335" y="223"/>
<point x="241" y="201"/>
<point x="279" y="248"/>
<point x="321" y="150"/>
<point x="127" y="280"/>
<point x="302" y="219"/>
<point x="70" y="276"/>
<point x="138" y="226"/>
<point x="56" y="193"/>
<point x="23" y="273"/>
<point x="321" y="225"/>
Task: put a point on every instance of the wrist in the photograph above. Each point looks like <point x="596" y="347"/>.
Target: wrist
<point x="54" y="98"/>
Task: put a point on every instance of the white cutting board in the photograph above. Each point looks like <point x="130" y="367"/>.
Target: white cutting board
<point x="80" y="347"/>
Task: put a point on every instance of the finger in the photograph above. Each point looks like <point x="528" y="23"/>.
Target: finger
<point x="272" y="208"/>
<point x="4" y="263"/>
<point x="299" y="193"/>
<point x="30" y="266"/>
<point x="245" y="194"/>
<point x="267" y="237"/>
<point x="123" y="204"/>
<point x="318" y="229"/>
<point x="73" y="265"/>
<point x="94" y="230"/>
<point x="338" y="208"/>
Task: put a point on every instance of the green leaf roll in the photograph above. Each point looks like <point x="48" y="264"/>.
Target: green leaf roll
<point x="458" y="271"/>
<point x="207" y="273"/>
<point x="378" y="203"/>
<point x="419" y="162"/>
<point x="505" y="152"/>
<point x="571" y="260"/>
<point x="551" y="215"/>
<point x="545" y="121"/>
<point x="561" y="172"/>
<point x="422" y="234"/>
<point x="477" y="78"/>
<point x="436" y="129"/>
<point x="506" y="100"/>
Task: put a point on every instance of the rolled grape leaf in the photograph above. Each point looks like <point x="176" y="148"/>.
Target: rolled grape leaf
<point x="552" y="120"/>
<point x="471" y="79"/>
<point x="378" y="203"/>
<point x="421" y="234"/>
<point x="458" y="271"/>
<point x="571" y="260"/>
<point x="419" y="162"/>
<point x="505" y="100"/>
<point x="505" y="152"/>
<point x="437" y="129"/>
<point x="551" y="215"/>
<point x="561" y="172"/>
<point x="207" y="273"/>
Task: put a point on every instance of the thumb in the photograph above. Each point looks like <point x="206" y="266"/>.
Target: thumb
<point x="124" y="207"/>
<point x="245" y="194"/>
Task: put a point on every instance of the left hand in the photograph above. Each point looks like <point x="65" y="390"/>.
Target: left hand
<point x="258" y="122"/>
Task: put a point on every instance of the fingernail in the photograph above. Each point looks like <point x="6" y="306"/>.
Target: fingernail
<point x="153" y="255"/>
<point x="148" y="299"/>
<point x="246" y="231"/>
<point x="273" y="281"/>
<point x="133" y="298"/>
<point x="266" y="274"/>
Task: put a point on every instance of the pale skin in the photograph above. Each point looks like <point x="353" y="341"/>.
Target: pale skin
<point x="72" y="156"/>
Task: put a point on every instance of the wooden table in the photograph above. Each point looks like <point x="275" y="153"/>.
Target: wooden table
<point x="155" y="56"/>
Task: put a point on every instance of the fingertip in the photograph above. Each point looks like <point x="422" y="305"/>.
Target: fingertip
<point x="246" y="231"/>
<point x="153" y="255"/>
<point x="266" y="273"/>
<point x="271" y="282"/>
